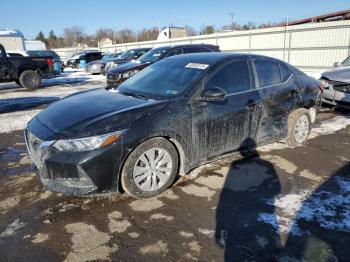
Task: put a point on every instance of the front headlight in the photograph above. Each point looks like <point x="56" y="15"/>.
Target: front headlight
<point x="87" y="143"/>
<point x="325" y="83"/>
<point x="129" y="74"/>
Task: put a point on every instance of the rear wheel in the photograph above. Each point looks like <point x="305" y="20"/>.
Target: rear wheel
<point x="150" y="168"/>
<point x="30" y="79"/>
<point x="299" y="125"/>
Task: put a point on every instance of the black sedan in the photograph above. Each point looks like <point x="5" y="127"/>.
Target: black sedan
<point x="173" y="116"/>
<point x="119" y="74"/>
<point x="127" y="56"/>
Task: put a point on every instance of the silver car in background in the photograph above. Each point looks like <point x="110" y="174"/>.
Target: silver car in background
<point x="337" y="85"/>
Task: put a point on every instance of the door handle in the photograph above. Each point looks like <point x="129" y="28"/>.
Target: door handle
<point x="294" y="92"/>
<point x="251" y="104"/>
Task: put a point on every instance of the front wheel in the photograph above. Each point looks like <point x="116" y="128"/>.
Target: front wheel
<point x="150" y="168"/>
<point x="299" y="126"/>
<point x="30" y="79"/>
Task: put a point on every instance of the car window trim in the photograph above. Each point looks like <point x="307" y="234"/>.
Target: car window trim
<point x="231" y="62"/>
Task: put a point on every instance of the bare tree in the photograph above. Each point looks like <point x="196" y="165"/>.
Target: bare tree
<point x="73" y="36"/>
<point x="207" y="29"/>
<point x="148" y="34"/>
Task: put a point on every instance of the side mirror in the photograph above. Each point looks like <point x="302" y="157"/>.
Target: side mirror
<point x="337" y="64"/>
<point x="213" y="94"/>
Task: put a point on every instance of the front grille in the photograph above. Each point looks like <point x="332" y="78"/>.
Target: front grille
<point x="114" y="77"/>
<point x="342" y="88"/>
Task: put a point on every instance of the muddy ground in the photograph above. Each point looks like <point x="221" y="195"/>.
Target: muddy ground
<point x="279" y="204"/>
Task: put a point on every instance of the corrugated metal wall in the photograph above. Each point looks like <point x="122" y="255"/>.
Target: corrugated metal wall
<point x="313" y="46"/>
<point x="12" y="43"/>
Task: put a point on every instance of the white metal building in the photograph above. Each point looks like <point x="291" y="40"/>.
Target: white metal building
<point x="34" y="45"/>
<point x="12" y="40"/>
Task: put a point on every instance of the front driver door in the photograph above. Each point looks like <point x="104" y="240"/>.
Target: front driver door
<point x="221" y="127"/>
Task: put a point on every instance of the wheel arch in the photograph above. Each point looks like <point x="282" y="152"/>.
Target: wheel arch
<point x="174" y="139"/>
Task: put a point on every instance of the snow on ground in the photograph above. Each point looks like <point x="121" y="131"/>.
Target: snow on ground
<point x="53" y="89"/>
<point x="64" y="85"/>
<point x="329" y="210"/>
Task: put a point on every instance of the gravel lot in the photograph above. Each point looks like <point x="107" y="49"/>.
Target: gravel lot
<point x="279" y="204"/>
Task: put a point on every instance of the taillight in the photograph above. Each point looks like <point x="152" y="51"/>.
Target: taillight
<point x="50" y="63"/>
<point x="321" y="87"/>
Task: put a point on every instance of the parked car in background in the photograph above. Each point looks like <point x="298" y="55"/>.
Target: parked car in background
<point x="337" y="85"/>
<point x="170" y="118"/>
<point x="45" y="53"/>
<point x="56" y="58"/>
<point x="26" y="71"/>
<point x="127" y="56"/>
<point x="94" y="67"/>
<point x="88" y="56"/>
<point x="119" y="74"/>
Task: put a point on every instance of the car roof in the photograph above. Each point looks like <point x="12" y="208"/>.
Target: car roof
<point x="213" y="57"/>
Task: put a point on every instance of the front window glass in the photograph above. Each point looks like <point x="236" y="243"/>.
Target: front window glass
<point x="153" y="55"/>
<point x="165" y="78"/>
<point x="233" y="78"/>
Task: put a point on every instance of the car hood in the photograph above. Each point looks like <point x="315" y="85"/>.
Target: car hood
<point x="341" y="74"/>
<point x="95" y="112"/>
<point x="127" y="67"/>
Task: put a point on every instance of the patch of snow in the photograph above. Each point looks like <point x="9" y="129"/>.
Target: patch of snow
<point x="16" y="121"/>
<point x="329" y="210"/>
<point x="12" y="228"/>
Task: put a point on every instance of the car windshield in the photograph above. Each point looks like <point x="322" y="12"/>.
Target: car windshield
<point x="127" y="54"/>
<point x="106" y="57"/>
<point x="163" y="79"/>
<point x="346" y="62"/>
<point x="153" y="55"/>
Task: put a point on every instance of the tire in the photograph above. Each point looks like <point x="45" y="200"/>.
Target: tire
<point x="299" y="125"/>
<point x="152" y="179"/>
<point x="18" y="82"/>
<point x="30" y="79"/>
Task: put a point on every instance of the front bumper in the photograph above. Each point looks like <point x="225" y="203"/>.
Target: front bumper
<point x="74" y="173"/>
<point x="337" y="98"/>
<point x="93" y="69"/>
<point x="114" y="79"/>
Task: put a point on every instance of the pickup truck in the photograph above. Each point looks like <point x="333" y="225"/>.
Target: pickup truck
<point x="25" y="71"/>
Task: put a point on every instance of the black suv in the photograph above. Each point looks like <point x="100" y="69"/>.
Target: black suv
<point x="125" y="57"/>
<point x="120" y="73"/>
<point x="88" y="56"/>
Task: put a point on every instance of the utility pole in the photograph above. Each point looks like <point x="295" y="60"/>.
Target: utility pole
<point x="232" y="24"/>
<point x="114" y="36"/>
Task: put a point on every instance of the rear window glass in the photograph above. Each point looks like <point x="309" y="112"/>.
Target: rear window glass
<point x="268" y="72"/>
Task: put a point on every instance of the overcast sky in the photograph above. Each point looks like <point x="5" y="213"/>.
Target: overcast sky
<point x="31" y="16"/>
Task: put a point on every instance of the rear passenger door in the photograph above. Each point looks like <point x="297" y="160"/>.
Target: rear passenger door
<point x="221" y="127"/>
<point x="279" y="93"/>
